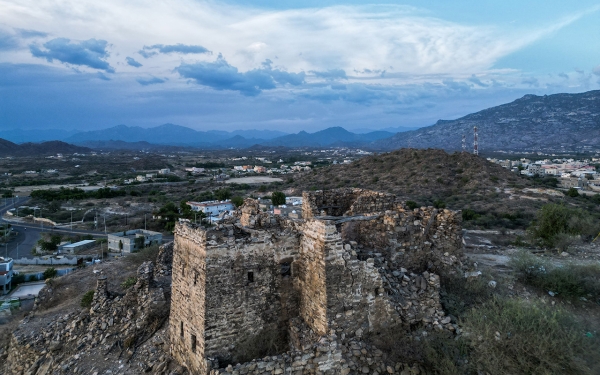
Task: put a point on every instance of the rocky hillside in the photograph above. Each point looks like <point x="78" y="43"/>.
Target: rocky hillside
<point x="458" y="180"/>
<point x="552" y="123"/>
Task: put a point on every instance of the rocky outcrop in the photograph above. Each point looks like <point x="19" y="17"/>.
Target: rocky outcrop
<point x="121" y="333"/>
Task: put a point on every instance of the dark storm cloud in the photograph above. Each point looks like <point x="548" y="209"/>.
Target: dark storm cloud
<point x="219" y="75"/>
<point x="90" y="53"/>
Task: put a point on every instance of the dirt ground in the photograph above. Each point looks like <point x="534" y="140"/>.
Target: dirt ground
<point x="253" y="180"/>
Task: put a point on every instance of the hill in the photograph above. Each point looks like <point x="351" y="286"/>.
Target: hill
<point x="560" y="122"/>
<point x="428" y="177"/>
<point x="8" y="148"/>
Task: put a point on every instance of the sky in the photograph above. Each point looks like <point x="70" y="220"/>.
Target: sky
<point x="285" y="65"/>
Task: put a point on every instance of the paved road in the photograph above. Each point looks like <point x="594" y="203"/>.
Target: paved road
<point x="28" y="234"/>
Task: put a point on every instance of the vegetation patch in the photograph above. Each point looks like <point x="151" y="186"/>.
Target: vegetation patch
<point x="558" y="225"/>
<point x="566" y="281"/>
<point x="510" y="336"/>
<point x="86" y="300"/>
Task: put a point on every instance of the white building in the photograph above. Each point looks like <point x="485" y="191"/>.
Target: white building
<point x="195" y="170"/>
<point x="212" y="208"/>
<point x="164" y="171"/>
<point x="6" y="272"/>
<point x="132" y="240"/>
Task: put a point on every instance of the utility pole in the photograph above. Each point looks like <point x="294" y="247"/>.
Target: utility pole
<point x="71" y="221"/>
<point x="144" y="221"/>
<point x="464" y="143"/>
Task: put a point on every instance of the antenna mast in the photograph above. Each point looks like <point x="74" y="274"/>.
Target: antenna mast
<point x="475" y="142"/>
<point x="464" y="143"/>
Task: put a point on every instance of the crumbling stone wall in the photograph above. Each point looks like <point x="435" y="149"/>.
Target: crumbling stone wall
<point x="346" y="202"/>
<point x="359" y="263"/>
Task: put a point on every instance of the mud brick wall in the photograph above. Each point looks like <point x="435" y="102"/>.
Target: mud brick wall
<point x="187" y="318"/>
<point x="246" y="292"/>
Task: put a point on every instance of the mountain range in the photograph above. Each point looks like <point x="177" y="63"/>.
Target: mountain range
<point x="550" y="123"/>
<point x="126" y="137"/>
<point x="559" y="122"/>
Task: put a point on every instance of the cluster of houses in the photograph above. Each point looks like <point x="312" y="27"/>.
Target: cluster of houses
<point x="579" y="174"/>
<point x="283" y="168"/>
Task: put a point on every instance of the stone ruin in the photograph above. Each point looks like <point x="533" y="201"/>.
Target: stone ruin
<point x="308" y="291"/>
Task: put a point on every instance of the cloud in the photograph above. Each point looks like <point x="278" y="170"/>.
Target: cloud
<point x="354" y="93"/>
<point x="596" y="70"/>
<point x="24" y="33"/>
<point x="149" y="51"/>
<point x="102" y="76"/>
<point x="477" y="81"/>
<point x="219" y="75"/>
<point x="531" y="81"/>
<point x="330" y="74"/>
<point x="580" y="71"/>
<point x="8" y="41"/>
<point x="563" y="75"/>
<point x="91" y="53"/>
<point x="131" y="61"/>
<point x="149" y="81"/>
<point x="456" y="86"/>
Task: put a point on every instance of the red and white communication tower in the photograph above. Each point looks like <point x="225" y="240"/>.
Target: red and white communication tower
<point x="475" y="142"/>
<point x="464" y="143"/>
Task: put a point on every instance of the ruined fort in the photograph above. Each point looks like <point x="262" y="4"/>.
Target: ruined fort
<point x="307" y="292"/>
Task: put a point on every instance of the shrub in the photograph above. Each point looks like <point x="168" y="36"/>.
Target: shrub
<point x="129" y="282"/>
<point x="411" y="205"/>
<point x="18" y="279"/>
<point x="555" y="220"/>
<point x="86" y="300"/>
<point x="572" y="192"/>
<point x="237" y="201"/>
<point x="468" y="214"/>
<point x="511" y="336"/>
<point x="569" y="281"/>
<point x="49" y="273"/>
<point x="439" y="204"/>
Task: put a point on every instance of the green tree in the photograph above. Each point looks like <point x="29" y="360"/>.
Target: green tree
<point x="278" y="198"/>
<point x="49" y="273"/>
<point x="237" y="200"/>
<point x="223" y="194"/>
<point x="572" y="192"/>
<point x="555" y="221"/>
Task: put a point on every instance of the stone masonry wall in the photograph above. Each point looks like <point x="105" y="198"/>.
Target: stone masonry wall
<point x="346" y="202"/>
<point x="187" y="320"/>
<point x="246" y="292"/>
<point x="311" y="277"/>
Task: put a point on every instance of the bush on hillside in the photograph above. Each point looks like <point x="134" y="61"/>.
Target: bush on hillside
<point x="555" y="222"/>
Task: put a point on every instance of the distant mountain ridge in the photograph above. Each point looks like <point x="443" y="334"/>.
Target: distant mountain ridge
<point x="126" y="137"/>
<point x="8" y="148"/>
<point x="550" y="123"/>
